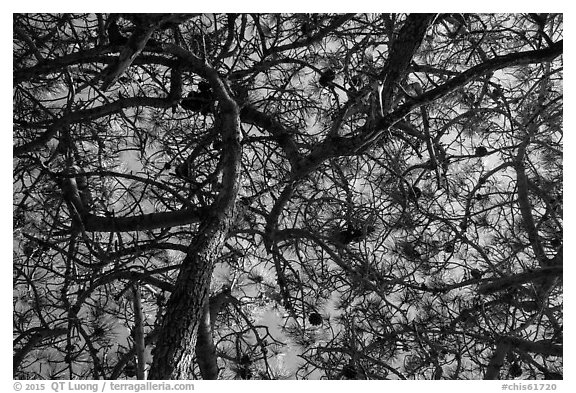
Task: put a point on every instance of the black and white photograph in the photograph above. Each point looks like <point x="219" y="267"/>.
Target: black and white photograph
<point x="287" y="196"/>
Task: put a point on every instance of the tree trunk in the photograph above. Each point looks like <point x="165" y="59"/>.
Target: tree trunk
<point x="174" y="351"/>
<point x="497" y="361"/>
<point x="205" y="348"/>
<point x="139" y="344"/>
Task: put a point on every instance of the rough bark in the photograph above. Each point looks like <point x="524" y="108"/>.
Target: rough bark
<point x="497" y="361"/>
<point x="541" y="347"/>
<point x="205" y="348"/>
<point x="536" y="277"/>
<point x="135" y="45"/>
<point x="143" y="222"/>
<point x="401" y="54"/>
<point x="174" y="352"/>
<point x="139" y="344"/>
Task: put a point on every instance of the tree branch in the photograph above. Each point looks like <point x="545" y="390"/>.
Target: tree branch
<point x="139" y="344"/>
<point x="401" y="53"/>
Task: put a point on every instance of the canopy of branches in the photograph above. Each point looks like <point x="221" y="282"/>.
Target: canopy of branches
<point x="306" y="196"/>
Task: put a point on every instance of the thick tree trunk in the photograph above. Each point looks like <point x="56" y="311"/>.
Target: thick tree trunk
<point x="497" y="361"/>
<point x="185" y="310"/>
<point x="205" y="348"/>
<point x="401" y="53"/>
<point x="174" y="351"/>
<point x="139" y="343"/>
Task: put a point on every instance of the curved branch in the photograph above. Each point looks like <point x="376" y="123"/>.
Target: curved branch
<point x="323" y="32"/>
<point x="281" y="134"/>
<point x="37" y="335"/>
<point x="30" y="42"/>
<point x="135" y="45"/>
<point x="173" y="355"/>
<point x="143" y="222"/>
<point x="521" y="278"/>
<point x="497" y="361"/>
<point x="368" y="137"/>
<point x="90" y="114"/>
<point x="526" y="208"/>
<point x="542" y="347"/>
<point x="90" y="56"/>
<point x="401" y="53"/>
